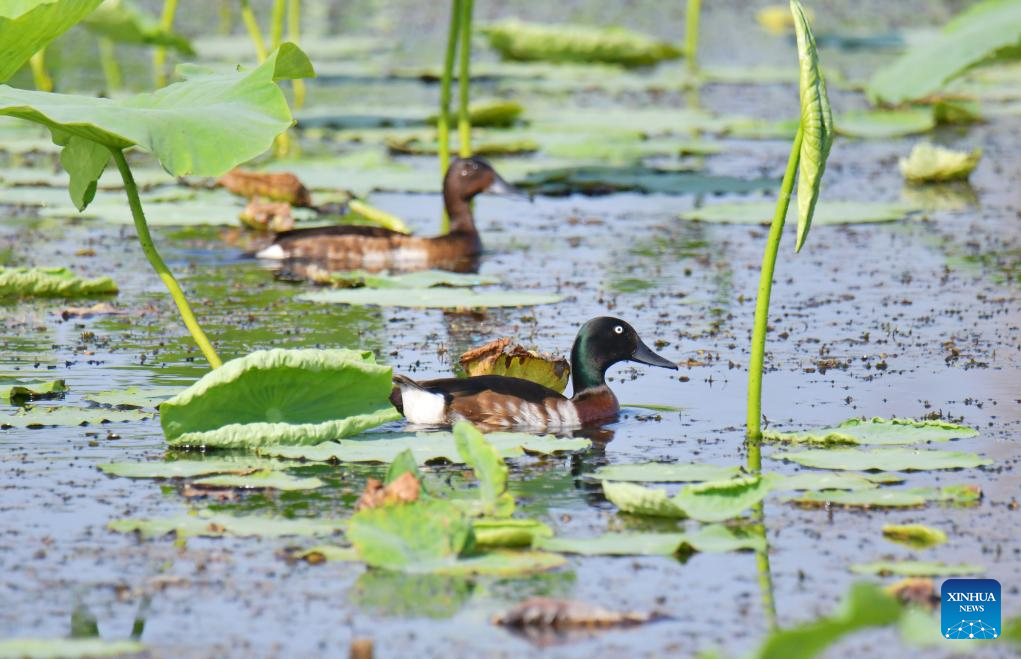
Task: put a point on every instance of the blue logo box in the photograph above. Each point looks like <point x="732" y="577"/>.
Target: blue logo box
<point x="970" y="609"/>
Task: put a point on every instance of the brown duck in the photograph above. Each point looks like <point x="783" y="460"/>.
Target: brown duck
<point x="496" y="401"/>
<point x="375" y="248"/>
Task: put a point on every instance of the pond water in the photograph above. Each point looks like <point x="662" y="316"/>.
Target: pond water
<point x="908" y="319"/>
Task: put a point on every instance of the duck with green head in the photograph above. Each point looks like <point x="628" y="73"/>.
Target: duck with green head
<point x="496" y="401"/>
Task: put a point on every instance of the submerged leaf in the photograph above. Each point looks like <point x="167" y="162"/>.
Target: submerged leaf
<point x="501" y="357"/>
<point x="216" y="525"/>
<point x="829" y="213"/>
<point x="816" y="124"/>
<point x="66" y="648"/>
<point x="430" y="298"/>
<point x="711" y="501"/>
<point x="916" y="569"/>
<point x="267" y="479"/>
<point x="16" y="392"/>
<point x="281" y="397"/>
<point x="884" y="459"/>
<point x="517" y="40"/>
<point x="929" y="163"/>
<point x="663" y="472"/>
<point x="877" y="431"/>
<point x="917" y="536"/>
<point x="51" y="282"/>
<point x="26" y="26"/>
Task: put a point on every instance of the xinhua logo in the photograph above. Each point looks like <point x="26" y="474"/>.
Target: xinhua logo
<point x="970" y="608"/>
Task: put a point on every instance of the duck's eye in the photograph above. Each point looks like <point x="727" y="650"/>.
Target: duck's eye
<point x="618" y="330"/>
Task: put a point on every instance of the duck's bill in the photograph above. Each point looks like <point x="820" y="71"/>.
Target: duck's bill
<point x="500" y="186"/>
<point x="645" y="355"/>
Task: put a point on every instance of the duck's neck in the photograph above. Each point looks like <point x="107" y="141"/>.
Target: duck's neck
<point x="459" y="210"/>
<point x="586" y="372"/>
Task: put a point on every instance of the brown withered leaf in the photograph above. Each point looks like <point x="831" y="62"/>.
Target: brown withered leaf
<point x="273" y="216"/>
<point x="566" y="614"/>
<point x="98" y="309"/>
<point x="501" y="357"/>
<point x="403" y="490"/>
<point x="275" y="186"/>
<point x="920" y="591"/>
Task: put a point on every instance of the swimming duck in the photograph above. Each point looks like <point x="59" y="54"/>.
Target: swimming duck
<point x="375" y="248"/>
<point x="496" y="401"/>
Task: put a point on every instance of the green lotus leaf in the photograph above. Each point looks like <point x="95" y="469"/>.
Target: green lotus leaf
<point x="710" y="538"/>
<point x="51" y="282"/>
<point x="403" y="463"/>
<point x="121" y="21"/>
<point x="878" y="498"/>
<point x="826" y="214"/>
<point x="26" y="26"/>
<point x="816" y="124"/>
<point x="916" y="569"/>
<point x="884" y="459"/>
<point x="608" y="179"/>
<point x="13" y="392"/>
<point x="814" y="480"/>
<point x="491" y="114"/>
<point x="186" y="468"/>
<point x="134" y="397"/>
<point x="711" y="501"/>
<point x="934" y="164"/>
<point x="419" y="279"/>
<point x="916" y="536"/>
<point x="425" y="447"/>
<point x="66" y="648"/>
<point x="489" y="468"/>
<point x="866" y="605"/>
<point x="502" y="564"/>
<point x="281" y="397"/>
<point x="983" y="33"/>
<point x="217" y="525"/>
<point x="517" y="40"/>
<point x="664" y="472"/>
<point x="514" y="533"/>
<point x="877" y="431"/>
<point x="41" y="417"/>
<point x="426" y="298"/>
<point x="414" y="537"/>
<point x="266" y="479"/>
<point x="885" y="124"/>
<point x="419" y="146"/>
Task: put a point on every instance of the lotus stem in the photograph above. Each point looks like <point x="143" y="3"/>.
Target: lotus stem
<point x="108" y="60"/>
<point x="254" y="31"/>
<point x="43" y="81"/>
<point x="691" y="19"/>
<point x="294" y="36"/>
<point x="159" y="56"/>
<point x="464" y="127"/>
<point x="380" y="217"/>
<point x="443" y="121"/>
<point x="765" y="289"/>
<point x="226" y="18"/>
<point x="277" y="23"/>
<point x="149" y="249"/>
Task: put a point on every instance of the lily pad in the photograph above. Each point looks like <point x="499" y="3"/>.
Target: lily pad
<point x="430" y="298"/>
<point x="813" y="480"/>
<point x="490" y="533"/>
<point x="608" y="179"/>
<point x="878" y="498"/>
<point x="266" y="479"/>
<point x="709" y="538"/>
<point x="916" y="569"/>
<point x="66" y="648"/>
<point x="217" y="525"/>
<point x="663" y="472"/>
<point x="419" y="279"/>
<point x="884" y="459"/>
<point x="41" y="417"/>
<point x="711" y="501"/>
<point x="186" y="468"/>
<point x="51" y="282"/>
<point x="134" y="397"/>
<point x="885" y="124"/>
<point x="826" y="214"/>
<point x="916" y="536"/>
<point x="426" y="447"/>
<point x="13" y="392"/>
<point x="27" y="26"/>
<point x="877" y="431"/>
<point x="281" y="397"/>
<point x="934" y="164"/>
<point x="491" y="114"/>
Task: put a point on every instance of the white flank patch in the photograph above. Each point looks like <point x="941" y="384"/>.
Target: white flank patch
<point x="275" y="252"/>
<point x="423" y="407"/>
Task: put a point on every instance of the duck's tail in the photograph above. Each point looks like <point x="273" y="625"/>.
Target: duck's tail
<point x="416" y="403"/>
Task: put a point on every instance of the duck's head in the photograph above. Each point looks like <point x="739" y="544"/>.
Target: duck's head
<point x="467" y="177"/>
<point x="603" y="342"/>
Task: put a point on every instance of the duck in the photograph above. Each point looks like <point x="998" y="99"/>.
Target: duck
<point x="376" y="248"/>
<point x="500" y="402"/>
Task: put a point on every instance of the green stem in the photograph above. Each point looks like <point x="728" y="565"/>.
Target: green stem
<point x="464" y="126"/>
<point x="43" y="81"/>
<point x="691" y="16"/>
<point x="254" y="31"/>
<point x="142" y="228"/>
<point x="226" y="19"/>
<point x="159" y="56"/>
<point x="294" y="36"/>
<point x="108" y="60"/>
<point x="277" y="26"/>
<point x="765" y="289"/>
<point x="443" y="121"/>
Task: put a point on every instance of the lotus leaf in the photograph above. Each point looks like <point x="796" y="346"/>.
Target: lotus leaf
<point x="929" y="163"/>
<point x="607" y="179"/>
<point x="916" y="569"/>
<point x="489" y="468"/>
<point x="217" y="525"/>
<point x="501" y="357"/>
<point x="66" y="648"/>
<point x="281" y="397"/>
<point x="710" y="538"/>
<point x="415" y="537"/>
<point x="26" y="26"/>
<point x="186" y="468"/>
<point x="885" y="124"/>
<point x="916" y="536"/>
<point x="879" y="498"/>
<point x="123" y="22"/>
<point x="265" y="479"/>
<point x="711" y="501"/>
<point x="134" y="397"/>
<point x="884" y="459"/>
<point x="877" y="431"/>
<point x="491" y="114"/>
<point x="41" y="417"/>
<point x="419" y="279"/>
<point x="813" y="480"/>
<point x="13" y="392"/>
<point x="490" y="533"/>
<point x="663" y="472"/>
<point x="51" y="282"/>
<point x="428" y="298"/>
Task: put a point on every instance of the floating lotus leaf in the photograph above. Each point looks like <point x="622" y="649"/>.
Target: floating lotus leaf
<point x="187" y="468"/>
<point x="664" y="472"/>
<point x="711" y="501"/>
<point x="216" y="525"/>
<point x="983" y="33"/>
<point x="916" y="569"/>
<point x="608" y="179"/>
<point x="281" y="397"/>
<point x="884" y="459"/>
<point x="916" y="536"/>
<point x="134" y="397"/>
<point x="419" y="279"/>
<point x="501" y="357"/>
<point x="877" y="431"/>
<point x="490" y="533"/>
<point x="426" y="298"/>
<point x="26" y="26"/>
<point x="41" y="417"/>
<point x="491" y="114"/>
<point x="67" y="648"/>
<point x="426" y="447"/>
<point x="826" y="214"/>
<point x="51" y="282"/>
<point x="21" y="391"/>
<point x="710" y="538"/>
<point x="885" y="124"/>
<point x="878" y="498"/>
<point x="265" y="479"/>
<point x="814" y="480"/>
<point x="934" y="164"/>
<point x="517" y="40"/>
